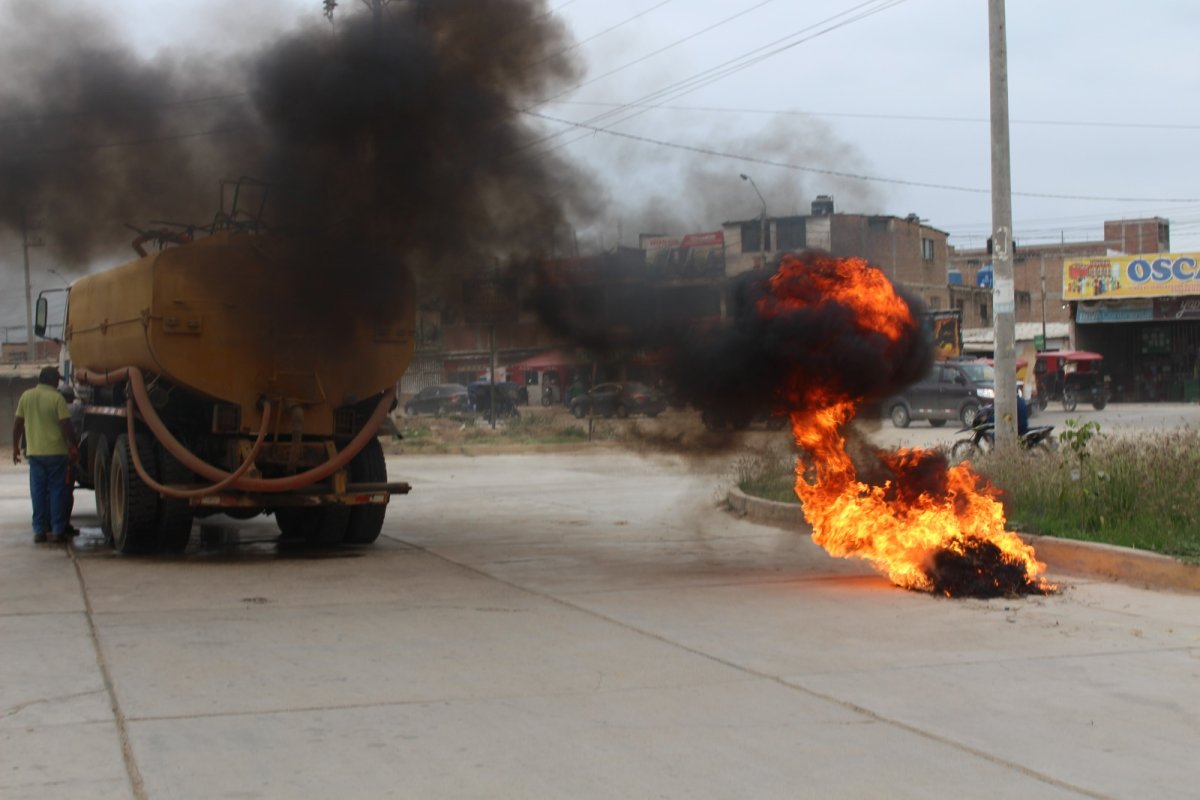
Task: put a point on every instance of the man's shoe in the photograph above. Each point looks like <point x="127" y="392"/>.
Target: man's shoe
<point x="39" y="538"/>
<point x="71" y="532"/>
<point x="55" y="538"/>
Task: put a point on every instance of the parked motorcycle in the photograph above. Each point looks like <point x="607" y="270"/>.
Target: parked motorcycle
<point x="982" y="439"/>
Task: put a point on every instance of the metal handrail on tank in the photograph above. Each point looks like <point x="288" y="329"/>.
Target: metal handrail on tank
<point x="137" y="384"/>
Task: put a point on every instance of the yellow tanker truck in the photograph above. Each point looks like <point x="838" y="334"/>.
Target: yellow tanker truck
<point x="228" y="375"/>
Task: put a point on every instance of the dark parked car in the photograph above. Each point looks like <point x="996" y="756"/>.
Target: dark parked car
<point x="444" y="398"/>
<point x="621" y="399"/>
<point x="508" y="395"/>
<point x="951" y="390"/>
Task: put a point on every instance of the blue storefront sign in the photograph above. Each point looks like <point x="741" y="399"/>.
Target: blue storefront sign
<point x="1158" y="309"/>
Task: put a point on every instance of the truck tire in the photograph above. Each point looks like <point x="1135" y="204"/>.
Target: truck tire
<point x="101" y="460"/>
<point x="317" y="525"/>
<point x="133" y="506"/>
<point x="174" y="522"/>
<point x="366" y="521"/>
<point x="900" y="416"/>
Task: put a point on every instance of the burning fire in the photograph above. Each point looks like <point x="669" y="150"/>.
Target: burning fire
<point x="927" y="526"/>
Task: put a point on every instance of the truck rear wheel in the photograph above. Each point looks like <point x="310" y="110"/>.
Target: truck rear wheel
<point x="101" y="459"/>
<point x="174" y="522"/>
<point x="133" y="506"/>
<point x="366" y="521"/>
<point x="319" y="525"/>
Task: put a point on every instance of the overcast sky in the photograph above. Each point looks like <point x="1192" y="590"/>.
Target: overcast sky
<point x="891" y="95"/>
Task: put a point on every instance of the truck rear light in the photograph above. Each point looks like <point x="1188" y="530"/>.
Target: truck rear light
<point x="227" y="418"/>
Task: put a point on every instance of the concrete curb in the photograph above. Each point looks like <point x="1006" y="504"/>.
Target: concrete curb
<point x="399" y="449"/>
<point x="1064" y="556"/>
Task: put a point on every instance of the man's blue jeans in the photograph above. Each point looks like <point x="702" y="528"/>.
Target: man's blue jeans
<point x="50" y="493"/>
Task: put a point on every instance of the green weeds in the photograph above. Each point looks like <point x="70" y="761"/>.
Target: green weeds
<point x="770" y="475"/>
<point x="1138" y="491"/>
<point x="1129" y="491"/>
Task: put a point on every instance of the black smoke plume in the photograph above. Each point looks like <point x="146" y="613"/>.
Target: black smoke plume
<point x="750" y="363"/>
<point x="403" y="135"/>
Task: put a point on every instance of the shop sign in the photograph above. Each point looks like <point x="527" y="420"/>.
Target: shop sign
<point x="1129" y="311"/>
<point x="692" y="255"/>
<point x="1167" y="309"/>
<point x="1177" y="308"/>
<point x="1116" y="277"/>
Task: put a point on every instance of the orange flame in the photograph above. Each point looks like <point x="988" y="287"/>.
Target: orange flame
<point x="927" y="511"/>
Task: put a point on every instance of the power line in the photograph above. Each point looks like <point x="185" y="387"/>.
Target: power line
<point x="660" y="50"/>
<point x="889" y="117"/>
<point x="607" y="30"/>
<point x="705" y="77"/>
<point x="850" y="175"/>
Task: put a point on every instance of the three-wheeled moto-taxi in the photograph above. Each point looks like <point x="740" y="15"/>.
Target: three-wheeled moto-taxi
<point x="1069" y="376"/>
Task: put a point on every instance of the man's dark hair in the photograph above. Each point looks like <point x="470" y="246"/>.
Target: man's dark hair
<point x="49" y="376"/>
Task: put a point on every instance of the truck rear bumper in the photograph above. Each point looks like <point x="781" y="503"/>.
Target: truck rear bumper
<point x="356" y="494"/>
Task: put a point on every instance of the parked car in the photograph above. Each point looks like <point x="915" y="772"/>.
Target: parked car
<point x="621" y="399"/>
<point x="718" y="420"/>
<point x="951" y="390"/>
<point x="445" y="398"/>
<point x="507" y="397"/>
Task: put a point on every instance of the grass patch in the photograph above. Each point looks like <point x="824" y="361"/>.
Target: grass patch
<point x="1137" y="491"/>
<point x="1130" y="491"/>
<point x="450" y="433"/>
<point x="770" y="475"/>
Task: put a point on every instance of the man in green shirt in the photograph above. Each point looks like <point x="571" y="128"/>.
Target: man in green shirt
<point x="43" y="422"/>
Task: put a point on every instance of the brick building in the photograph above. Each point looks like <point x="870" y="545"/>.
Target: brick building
<point x="1038" y="269"/>
<point x="911" y="253"/>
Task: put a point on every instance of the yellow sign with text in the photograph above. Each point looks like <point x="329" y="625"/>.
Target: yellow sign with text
<point x="1117" y="277"/>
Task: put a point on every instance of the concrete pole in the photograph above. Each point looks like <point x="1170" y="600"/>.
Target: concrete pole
<point x="762" y="226"/>
<point x="30" y="348"/>
<point x="1003" y="299"/>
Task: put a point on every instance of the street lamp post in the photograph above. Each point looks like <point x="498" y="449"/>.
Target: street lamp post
<point x="762" y="228"/>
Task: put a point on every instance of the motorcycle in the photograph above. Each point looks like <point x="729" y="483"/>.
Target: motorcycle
<point x="982" y="438"/>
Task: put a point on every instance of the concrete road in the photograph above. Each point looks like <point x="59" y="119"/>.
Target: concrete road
<point x="588" y="625"/>
<point x="1116" y="419"/>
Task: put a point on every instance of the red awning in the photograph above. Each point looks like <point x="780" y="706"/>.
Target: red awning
<point x="550" y="358"/>
<point x="1072" y="355"/>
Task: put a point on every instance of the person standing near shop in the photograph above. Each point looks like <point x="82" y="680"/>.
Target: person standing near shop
<point x="43" y="422"/>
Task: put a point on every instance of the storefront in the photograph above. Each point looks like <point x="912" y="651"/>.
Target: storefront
<point x="1142" y="313"/>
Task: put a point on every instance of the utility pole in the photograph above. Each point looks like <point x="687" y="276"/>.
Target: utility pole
<point x="762" y="226"/>
<point x="26" y="243"/>
<point x="1043" y="300"/>
<point x="376" y="7"/>
<point x="1003" y="299"/>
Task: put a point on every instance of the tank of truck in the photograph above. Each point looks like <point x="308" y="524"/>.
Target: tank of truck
<point x="232" y="318"/>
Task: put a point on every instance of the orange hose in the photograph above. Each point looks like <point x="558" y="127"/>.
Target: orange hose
<point x="138" y="384"/>
<point x="207" y="490"/>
